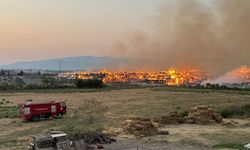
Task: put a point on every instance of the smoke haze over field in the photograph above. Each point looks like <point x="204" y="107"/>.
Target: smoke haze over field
<point x="213" y="35"/>
<point x="209" y="34"/>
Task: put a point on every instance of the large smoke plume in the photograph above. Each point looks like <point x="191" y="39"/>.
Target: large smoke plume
<point x="210" y="34"/>
<point x="239" y="75"/>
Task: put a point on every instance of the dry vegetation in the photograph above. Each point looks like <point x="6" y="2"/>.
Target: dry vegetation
<point x="114" y="106"/>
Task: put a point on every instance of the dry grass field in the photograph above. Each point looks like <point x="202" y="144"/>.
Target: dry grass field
<point x="117" y="105"/>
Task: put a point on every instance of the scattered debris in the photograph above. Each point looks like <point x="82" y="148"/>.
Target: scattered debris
<point x="139" y="126"/>
<point x="203" y="115"/>
<point x="50" y="140"/>
<point x="93" y="138"/>
<point x="247" y="146"/>
<point x="80" y="145"/>
<point x="57" y="140"/>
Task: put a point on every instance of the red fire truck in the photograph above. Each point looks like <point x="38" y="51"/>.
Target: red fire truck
<point x="30" y="111"/>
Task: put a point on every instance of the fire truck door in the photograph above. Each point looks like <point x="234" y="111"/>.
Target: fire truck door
<point x="53" y="108"/>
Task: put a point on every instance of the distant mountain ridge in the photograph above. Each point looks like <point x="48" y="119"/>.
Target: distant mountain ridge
<point x="71" y="63"/>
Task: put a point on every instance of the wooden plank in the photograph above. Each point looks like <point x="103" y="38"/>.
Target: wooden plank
<point x="80" y="145"/>
<point x="63" y="145"/>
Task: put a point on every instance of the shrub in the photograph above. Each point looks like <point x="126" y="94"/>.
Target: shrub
<point x="4" y="87"/>
<point x="90" y="110"/>
<point x="8" y="112"/>
<point x="88" y="117"/>
<point x="236" y="111"/>
<point x="90" y="83"/>
<point x="229" y="146"/>
<point x="19" y="82"/>
<point x="21" y="73"/>
<point x="183" y="114"/>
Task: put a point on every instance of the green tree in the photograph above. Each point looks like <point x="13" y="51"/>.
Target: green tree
<point x="90" y="83"/>
<point x="21" y="73"/>
<point x="2" y="73"/>
<point x="19" y="82"/>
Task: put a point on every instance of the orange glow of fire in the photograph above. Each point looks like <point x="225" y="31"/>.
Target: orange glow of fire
<point x="171" y="77"/>
<point x="243" y="72"/>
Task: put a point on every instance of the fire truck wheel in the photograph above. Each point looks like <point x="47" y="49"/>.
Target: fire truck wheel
<point x="35" y="118"/>
<point x="59" y="116"/>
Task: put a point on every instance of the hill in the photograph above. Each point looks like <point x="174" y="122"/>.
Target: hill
<point x="71" y="63"/>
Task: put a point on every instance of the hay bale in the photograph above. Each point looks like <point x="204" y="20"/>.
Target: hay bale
<point x="217" y="117"/>
<point x="203" y="115"/>
<point x="139" y="118"/>
<point x="171" y="118"/>
<point x="139" y="127"/>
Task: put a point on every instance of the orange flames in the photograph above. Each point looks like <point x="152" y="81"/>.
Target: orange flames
<point x="171" y="77"/>
<point x="244" y="73"/>
<point x="186" y="77"/>
<point x="239" y="75"/>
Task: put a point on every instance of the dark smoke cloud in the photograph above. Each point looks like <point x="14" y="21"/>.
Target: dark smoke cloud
<point x="213" y="35"/>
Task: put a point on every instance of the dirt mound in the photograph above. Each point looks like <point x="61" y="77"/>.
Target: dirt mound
<point x="139" y="126"/>
<point x="203" y="115"/>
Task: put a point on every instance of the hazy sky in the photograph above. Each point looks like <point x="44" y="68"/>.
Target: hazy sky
<point x="39" y="29"/>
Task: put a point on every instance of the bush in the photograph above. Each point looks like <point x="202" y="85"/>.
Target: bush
<point x="183" y="114"/>
<point x="229" y="146"/>
<point x="236" y="111"/>
<point x="90" y="111"/>
<point x="19" y="82"/>
<point x="4" y="87"/>
<point x="88" y="117"/>
<point x="90" y="83"/>
<point x="8" y="112"/>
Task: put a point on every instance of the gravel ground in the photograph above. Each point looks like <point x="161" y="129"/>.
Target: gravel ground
<point x="151" y="145"/>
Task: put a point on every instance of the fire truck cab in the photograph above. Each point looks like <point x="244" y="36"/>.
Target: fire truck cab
<point x="30" y="111"/>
